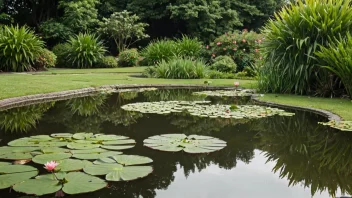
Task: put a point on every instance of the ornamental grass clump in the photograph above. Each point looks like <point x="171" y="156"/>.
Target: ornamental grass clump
<point x="180" y="68"/>
<point x="336" y="57"/>
<point x="19" y="47"/>
<point x="292" y="39"/>
<point x="85" y="51"/>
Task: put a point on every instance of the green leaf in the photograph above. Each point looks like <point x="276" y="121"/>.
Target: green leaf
<point x="82" y="146"/>
<point x="82" y="183"/>
<point x="128" y="160"/>
<point x="190" y="144"/>
<point x="38" y="186"/>
<point x="117" y="172"/>
<point x="117" y="148"/>
<point x="68" y="165"/>
<point x="7" y="169"/>
<point x="42" y="159"/>
<point x="93" y="156"/>
<point x="8" y="180"/>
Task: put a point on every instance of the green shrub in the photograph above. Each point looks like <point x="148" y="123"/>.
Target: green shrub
<point x="54" y="31"/>
<point x="166" y="50"/>
<point x="179" y="68"/>
<point x="19" y="46"/>
<point x="61" y="50"/>
<point x="214" y="74"/>
<point x="293" y="37"/>
<point x="159" y="50"/>
<point x="250" y="71"/>
<point x="337" y="58"/>
<point x="128" y="58"/>
<point x="243" y="47"/>
<point x="188" y="47"/>
<point x="85" y="51"/>
<point x="107" y="62"/>
<point x="45" y="59"/>
<point x="224" y="64"/>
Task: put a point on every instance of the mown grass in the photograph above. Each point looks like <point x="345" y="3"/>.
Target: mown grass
<point x="341" y="107"/>
<point x="13" y="85"/>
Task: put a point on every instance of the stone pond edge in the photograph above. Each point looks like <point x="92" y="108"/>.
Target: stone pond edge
<point x="64" y="95"/>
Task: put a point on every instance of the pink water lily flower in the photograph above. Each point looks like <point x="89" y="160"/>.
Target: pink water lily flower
<point x="50" y="166"/>
<point x="219" y="43"/>
<point x="236" y="84"/>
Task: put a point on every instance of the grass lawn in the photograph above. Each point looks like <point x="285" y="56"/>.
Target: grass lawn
<point x="340" y="107"/>
<point x="20" y="84"/>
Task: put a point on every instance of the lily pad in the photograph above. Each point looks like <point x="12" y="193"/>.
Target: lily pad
<point x="75" y="183"/>
<point x="117" y="172"/>
<point x="179" y="142"/>
<point x="62" y="135"/>
<point x="92" y="156"/>
<point x="68" y="165"/>
<point x="126" y="160"/>
<point x="12" y="174"/>
<point x="42" y="159"/>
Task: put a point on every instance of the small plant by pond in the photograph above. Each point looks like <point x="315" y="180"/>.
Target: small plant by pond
<point x="201" y="109"/>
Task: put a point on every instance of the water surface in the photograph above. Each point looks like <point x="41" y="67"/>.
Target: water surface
<point x="276" y="157"/>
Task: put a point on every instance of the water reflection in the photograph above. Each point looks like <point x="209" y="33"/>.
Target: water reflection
<point x="263" y="156"/>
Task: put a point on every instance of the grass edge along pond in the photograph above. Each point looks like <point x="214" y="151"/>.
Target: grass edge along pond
<point x="53" y="80"/>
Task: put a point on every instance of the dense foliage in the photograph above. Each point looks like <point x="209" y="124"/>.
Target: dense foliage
<point x="224" y="64"/>
<point x="61" y="50"/>
<point x="166" y="50"/>
<point x="85" y="51"/>
<point x="45" y="59"/>
<point x="19" y="47"/>
<point x="243" y="47"/>
<point x="294" y="36"/>
<point x="107" y="62"/>
<point x="337" y="58"/>
<point x="179" y="68"/>
<point x="128" y="58"/>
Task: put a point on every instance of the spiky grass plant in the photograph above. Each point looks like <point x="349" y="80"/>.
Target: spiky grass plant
<point x="336" y="57"/>
<point x="293" y="37"/>
<point x="19" y="47"/>
<point x="85" y="50"/>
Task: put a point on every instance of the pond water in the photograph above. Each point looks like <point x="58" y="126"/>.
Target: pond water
<point x="291" y="157"/>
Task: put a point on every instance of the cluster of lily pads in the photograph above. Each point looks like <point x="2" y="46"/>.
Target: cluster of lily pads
<point x="341" y="125"/>
<point x="203" y="109"/>
<point x="73" y="152"/>
<point x="94" y="154"/>
<point x="226" y="93"/>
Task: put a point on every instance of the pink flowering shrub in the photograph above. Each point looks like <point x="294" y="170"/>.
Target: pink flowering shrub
<point x="243" y="47"/>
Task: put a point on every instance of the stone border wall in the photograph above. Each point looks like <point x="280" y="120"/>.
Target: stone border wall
<point x="64" y="95"/>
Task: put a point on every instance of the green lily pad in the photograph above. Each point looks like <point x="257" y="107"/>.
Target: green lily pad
<point x="75" y="183"/>
<point x="12" y="174"/>
<point x="4" y="163"/>
<point x="42" y="159"/>
<point x="37" y="142"/>
<point x="62" y="135"/>
<point x="51" y="150"/>
<point x="179" y="142"/>
<point x="117" y="172"/>
<point x="68" y="165"/>
<point x="117" y="148"/>
<point x="126" y="160"/>
<point x="222" y="93"/>
<point x="340" y="125"/>
<point x="16" y="156"/>
<point x="93" y="156"/>
<point x="82" y="146"/>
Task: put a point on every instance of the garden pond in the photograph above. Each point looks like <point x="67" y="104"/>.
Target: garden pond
<point x="171" y="143"/>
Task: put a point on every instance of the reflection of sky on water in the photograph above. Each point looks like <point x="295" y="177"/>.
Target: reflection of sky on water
<point x="246" y="180"/>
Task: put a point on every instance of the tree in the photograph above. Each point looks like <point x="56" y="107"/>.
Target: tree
<point x="80" y="15"/>
<point x="124" y="28"/>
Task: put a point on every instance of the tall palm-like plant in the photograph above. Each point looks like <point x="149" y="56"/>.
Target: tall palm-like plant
<point x="85" y="50"/>
<point x="292" y="38"/>
<point x="337" y="58"/>
<point x="19" y="47"/>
